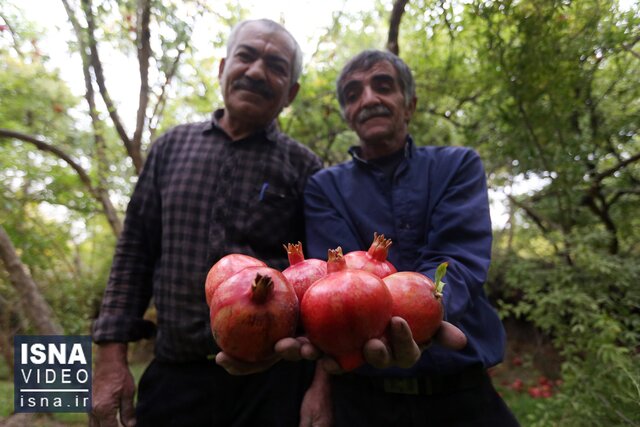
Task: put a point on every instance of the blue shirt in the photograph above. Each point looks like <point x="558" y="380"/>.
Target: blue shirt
<point x="434" y="208"/>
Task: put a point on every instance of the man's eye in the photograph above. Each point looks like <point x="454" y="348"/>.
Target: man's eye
<point x="243" y="56"/>
<point x="279" y="69"/>
<point x="351" y="96"/>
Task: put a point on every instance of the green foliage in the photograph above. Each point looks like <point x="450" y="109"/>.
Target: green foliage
<point x="590" y="309"/>
<point x="545" y="90"/>
<point x="315" y="118"/>
<point x="34" y="99"/>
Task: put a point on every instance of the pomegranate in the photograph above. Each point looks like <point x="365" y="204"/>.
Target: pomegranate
<point x="251" y="311"/>
<point x="302" y="273"/>
<point x="226" y="267"/>
<point x="344" y="309"/>
<point x="418" y="301"/>
<point x="375" y="259"/>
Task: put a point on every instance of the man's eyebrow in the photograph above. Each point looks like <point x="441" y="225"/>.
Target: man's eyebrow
<point x="351" y="84"/>
<point x="383" y="78"/>
<point x="377" y="78"/>
<point x="269" y="56"/>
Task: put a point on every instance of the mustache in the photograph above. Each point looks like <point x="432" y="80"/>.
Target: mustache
<point x="367" y="113"/>
<point x="259" y="87"/>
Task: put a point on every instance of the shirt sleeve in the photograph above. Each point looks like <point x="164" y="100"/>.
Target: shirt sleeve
<point x="460" y="233"/>
<point x="129" y="288"/>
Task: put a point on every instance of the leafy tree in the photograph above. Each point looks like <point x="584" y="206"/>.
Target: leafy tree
<point x="545" y="90"/>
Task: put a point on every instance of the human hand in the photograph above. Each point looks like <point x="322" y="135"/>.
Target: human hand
<point x="290" y="348"/>
<point x="450" y="336"/>
<point x="397" y="348"/>
<point x="316" y="409"/>
<point x="400" y="350"/>
<point x="113" y="388"/>
<point x="298" y="348"/>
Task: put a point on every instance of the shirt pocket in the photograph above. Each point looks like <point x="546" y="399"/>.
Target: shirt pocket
<point x="271" y="216"/>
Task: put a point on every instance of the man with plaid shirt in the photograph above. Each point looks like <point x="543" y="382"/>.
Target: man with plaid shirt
<point x="232" y="184"/>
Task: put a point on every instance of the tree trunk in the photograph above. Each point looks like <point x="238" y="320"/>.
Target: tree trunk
<point x="33" y="303"/>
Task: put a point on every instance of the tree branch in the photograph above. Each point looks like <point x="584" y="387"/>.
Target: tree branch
<point x="96" y="64"/>
<point x="602" y="212"/>
<point x="96" y="123"/>
<point x="604" y="174"/>
<point x="530" y="212"/>
<point x="99" y="194"/>
<point x="16" y="46"/>
<point x="394" y="26"/>
<point x="144" y="53"/>
<point x="160" y="104"/>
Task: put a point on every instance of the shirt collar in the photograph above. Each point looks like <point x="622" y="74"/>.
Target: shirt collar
<point x="356" y="152"/>
<point x="271" y="132"/>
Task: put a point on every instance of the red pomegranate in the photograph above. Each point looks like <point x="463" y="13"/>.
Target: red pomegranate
<point x="418" y="301"/>
<point x="344" y="309"/>
<point x="251" y="311"/>
<point x="302" y="272"/>
<point x="226" y="267"/>
<point x="375" y="259"/>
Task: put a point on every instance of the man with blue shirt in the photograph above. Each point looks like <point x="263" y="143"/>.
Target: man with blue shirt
<point x="432" y="203"/>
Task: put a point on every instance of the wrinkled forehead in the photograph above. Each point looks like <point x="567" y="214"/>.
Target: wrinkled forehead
<point x="368" y="70"/>
<point x="256" y="34"/>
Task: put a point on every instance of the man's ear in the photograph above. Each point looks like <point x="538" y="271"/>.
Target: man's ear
<point x="221" y="68"/>
<point x="411" y="108"/>
<point x="293" y="92"/>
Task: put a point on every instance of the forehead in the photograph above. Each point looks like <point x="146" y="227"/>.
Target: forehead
<point x="260" y="36"/>
<point x="379" y="69"/>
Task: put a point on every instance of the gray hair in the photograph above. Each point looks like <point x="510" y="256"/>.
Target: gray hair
<point x="296" y="63"/>
<point x="367" y="59"/>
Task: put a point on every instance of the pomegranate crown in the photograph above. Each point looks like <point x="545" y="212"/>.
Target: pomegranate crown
<point x="261" y="288"/>
<point x="335" y="254"/>
<point x="294" y="252"/>
<point x="379" y="248"/>
<point x="335" y="260"/>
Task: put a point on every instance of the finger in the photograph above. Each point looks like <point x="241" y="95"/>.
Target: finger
<point x="377" y="354"/>
<point x="104" y="422"/>
<point x="104" y="417"/>
<point x="330" y="366"/>
<point x="289" y="349"/>
<point x="405" y="350"/>
<point x="93" y="421"/>
<point x="450" y="336"/>
<point x="127" y="411"/>
<point x="309" y="351"/>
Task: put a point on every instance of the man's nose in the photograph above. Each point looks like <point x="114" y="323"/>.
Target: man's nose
<point x="256" y="70"/>
<point x="369" y="96"/>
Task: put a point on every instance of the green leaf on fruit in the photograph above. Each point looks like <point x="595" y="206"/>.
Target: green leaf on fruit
<point x="440" y="272"/>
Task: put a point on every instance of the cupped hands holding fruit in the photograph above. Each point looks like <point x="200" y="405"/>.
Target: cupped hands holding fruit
<point x="414" y="321"/>
<point x="254" y="314"/>
<point x="350" y="316"/>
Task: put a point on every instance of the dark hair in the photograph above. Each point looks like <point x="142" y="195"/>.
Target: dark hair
<point x="367" y="59"/>
<point x="296" y="63"/>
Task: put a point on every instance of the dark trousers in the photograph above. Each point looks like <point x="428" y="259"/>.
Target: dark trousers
<point x="360" y="401"/>
<point x="203" y="394"/>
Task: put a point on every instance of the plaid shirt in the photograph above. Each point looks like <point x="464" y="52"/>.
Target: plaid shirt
<point x="200" y="196"/>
